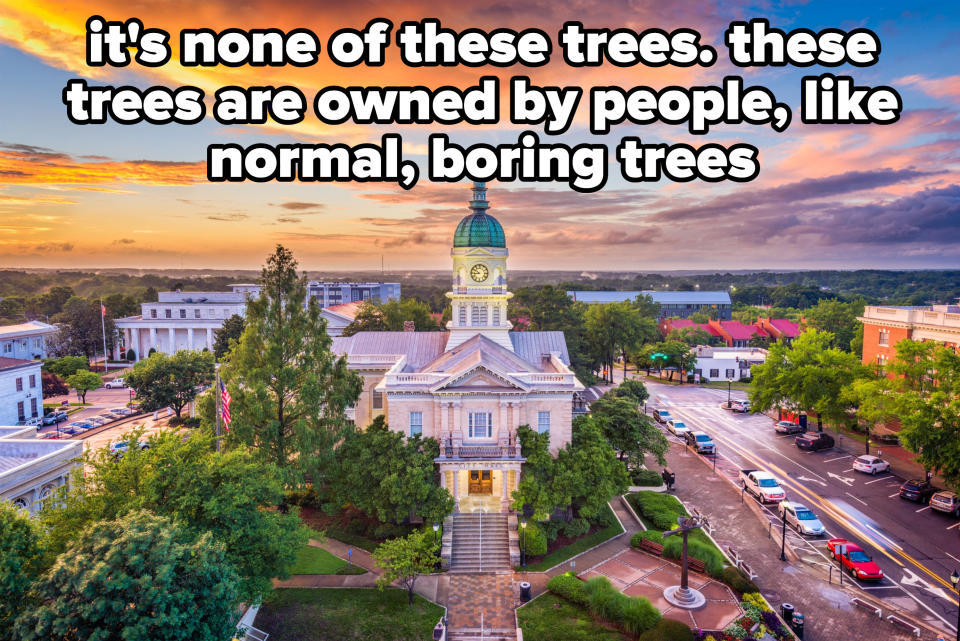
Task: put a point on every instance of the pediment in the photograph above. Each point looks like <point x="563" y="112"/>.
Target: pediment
<point x="478" y="377"/>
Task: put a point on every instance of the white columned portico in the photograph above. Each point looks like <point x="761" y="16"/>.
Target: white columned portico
<point x="190" y="338"/>
<point x="172" y="333"/>
<point x="210" y="338"/>
<point x="135" y="343"/>
<point x="153" y="339"/>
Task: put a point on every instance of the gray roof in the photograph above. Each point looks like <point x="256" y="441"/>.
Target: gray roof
<point x="422" y="348"/>
<point x="671" y="298"/>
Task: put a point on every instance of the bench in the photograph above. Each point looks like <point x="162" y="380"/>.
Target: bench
<point x="696" y="565"/>
<point x="746" y="569"/>
<point x="906" y="625"/>
<point x="869" y="607"/>
<point x="651" y="546"/>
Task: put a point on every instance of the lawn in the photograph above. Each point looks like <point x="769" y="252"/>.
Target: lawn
<point x="550" y="618"/>
<point x="580" y="545"/>
<point x="360" y="614"/>
<point x="311" y="560"/>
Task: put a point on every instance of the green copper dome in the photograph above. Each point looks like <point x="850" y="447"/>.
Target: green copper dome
<point x="479" y="229"/>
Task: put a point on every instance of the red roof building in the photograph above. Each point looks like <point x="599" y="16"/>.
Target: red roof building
<point x="737" y="334"/>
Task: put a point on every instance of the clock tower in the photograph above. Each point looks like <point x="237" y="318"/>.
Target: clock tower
<point x="479" y="295"/>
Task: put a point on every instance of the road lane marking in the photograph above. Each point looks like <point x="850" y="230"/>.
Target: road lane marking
<point x="831" y="460"/>
<point x="954" y="525"/>
<point x="893" y="495"/>
<point x="952" y="557"/>
<point x="874" y="481"/>
<point x="923" y="508"/>
<point x="854" y="498"/>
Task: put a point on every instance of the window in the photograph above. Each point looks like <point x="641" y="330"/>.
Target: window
<point x="153" y="313"/>
<point x="33" y="380"/>
<point x="33" y="407"/>
<point x="196" y="313"/>
<point x="416" y="423"/>
<point x="183" y="313"/>
<point x="884" y="337"/>
<point x="20" y="415"/>
<point x="463" y="315"/>
<point x="19" y="384"/>
<point x="714" y="373"/>
<point x="496" y="315"/>
<point x="7" y="347"/>
<point x="377" y="400"/>
<point x="478" y="315"/>
<point x="481" y="424"/>
<point x="731" y="373"/>
<point x="543" y="422"/>
<point x="168" y="313"/>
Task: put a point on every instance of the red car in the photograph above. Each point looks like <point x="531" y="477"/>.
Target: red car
<point x="853" y="559"/>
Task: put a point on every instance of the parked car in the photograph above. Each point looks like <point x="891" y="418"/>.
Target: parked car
<point x="917" y="490"/>
<point x="118" y="448"/>
<point x="677" y="427"/>
<point x="870" y="464"/>
<point x="661" y="416"/>
<point x="116" y="383"/>
<point x="762" y="485"/>
<point x="741" y="406"/>
<point x="800" y="518"/>
<point x="54" y="417"/>
<point x="854" y="560"/>
<point x="121" y="411"/>
<point x="814" y="441"/>
<point x="50" y="435"/>
<point x="700" y="441"/>
<point x="947" y="502"/>
<point x="788" y="427"/>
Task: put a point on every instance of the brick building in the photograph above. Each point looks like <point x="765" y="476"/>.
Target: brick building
<point x="885" y="325"/>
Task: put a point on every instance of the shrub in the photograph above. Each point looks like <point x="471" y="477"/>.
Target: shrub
<point x="647" y="478"/>
<point x="637" y="615"/>
<point x="534" y="539"/>
<point x="668" y="630"/>
<point x="756" y="600"/>
<point x="131" y="355"/>
<point x="652" y="535"/>
<point x="661" y="510"/>
<point x="604" y="600"/>
<point x="576" y="528"/>
<point x="551" y="529"/>
<point x="737" y="580"/>
<point x="570" y="588"/>
<point x="303" y="497"/>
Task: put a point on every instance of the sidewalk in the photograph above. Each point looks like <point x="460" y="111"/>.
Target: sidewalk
<point x="829" y="613"/>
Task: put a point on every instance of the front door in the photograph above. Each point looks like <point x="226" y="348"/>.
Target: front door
<point x="481" y="482"/>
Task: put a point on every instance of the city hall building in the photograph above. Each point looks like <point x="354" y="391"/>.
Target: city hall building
<point x="471" y="387"/>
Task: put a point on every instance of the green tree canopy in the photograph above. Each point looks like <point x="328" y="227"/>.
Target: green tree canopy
<point x="630" y="432"/>
<point x="631" y="389"/>
<point x="82" y="329"/>
<point x="389" y="476"/>
<point x="692" y="336"/>
<point x="83" y="381"/>
<point x="230" y="495"/>
<point x="21" y="562"/>
<point x="290" y="392"/>
<point x="138" y="578"/>
<point x="613" y="329"/>
<point x="839" y="318"/>
<point x="52" y="385"/>
<point x="390" y="317"/>
<point x="160" y="380"/>
<point x="230" y="332"/>
<point x="66" y="365"/>
<point x="405" y="559"/>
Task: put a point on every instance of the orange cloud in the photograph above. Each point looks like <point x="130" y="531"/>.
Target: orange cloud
<point x="946" y="87"/>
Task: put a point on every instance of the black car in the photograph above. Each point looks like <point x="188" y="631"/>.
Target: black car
<point x="917" y="490"/>
<point x="815" y="441"/>
<point x="661" y="416"/>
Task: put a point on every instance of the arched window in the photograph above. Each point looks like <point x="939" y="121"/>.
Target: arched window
<point x="20" y="503"/>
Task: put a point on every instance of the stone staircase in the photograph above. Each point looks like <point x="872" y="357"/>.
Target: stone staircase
<point x="480" y="543"/>
<point x="489" y="634"/>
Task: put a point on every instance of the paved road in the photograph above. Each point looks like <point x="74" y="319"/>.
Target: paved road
<point x="916" y="547"/>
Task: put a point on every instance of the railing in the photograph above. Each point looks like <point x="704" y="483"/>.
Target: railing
<point x="480" y="451"/>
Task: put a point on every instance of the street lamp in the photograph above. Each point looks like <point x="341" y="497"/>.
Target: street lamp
<point x="955" y="579"/>
<point x="436" y="528"/>
<point x="729" y="385"/>
<point x="523" y="543"/>
<point x="783" y="536"/>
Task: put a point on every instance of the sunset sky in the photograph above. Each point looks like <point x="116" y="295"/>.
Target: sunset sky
<point x="136" y="196"/>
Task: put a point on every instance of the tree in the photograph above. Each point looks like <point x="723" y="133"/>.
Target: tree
<point x="390" y="317"/>
<point x="52" y="385"/>
<point x="66" y="365"/>
<point x="807" y="375"/>
<point x="405" y="559"/>
<point x="839" y="318"/>
<point x="170" y="381"/>
<point x="756" y="340"/>
<point x="84" y="333"/>
<point x="389" y="476"/>
<point x="691" y="336"/>
<point x="631" y="389"/>
<point x="121" y="305"/>
<point x="537" y="488"/>
<point x="84" y="381"/>
<point x="615" y="328"/>
<point x="137" y="578"/>
<point x="21" y="562"/>
<point x="590" y="474"/>
<point x="231" y="332"/>
<point x="290" y="392"/>
<point x="230" y="495"/>
<point x="631" y="433"/>
<point x="51" y="302"/>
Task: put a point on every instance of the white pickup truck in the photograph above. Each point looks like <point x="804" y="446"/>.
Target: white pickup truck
<point x="762" y="485"/>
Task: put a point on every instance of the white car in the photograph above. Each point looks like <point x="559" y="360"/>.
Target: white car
<point x="800" y="518"/>
<point x="762" y="485"/>
<point x="741" y="406"/>
<point x="870" y="464"/>
<point x="677" y="427"/>
<point x="116" y="383"/>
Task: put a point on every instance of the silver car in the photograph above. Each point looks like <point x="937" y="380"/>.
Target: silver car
<point x="800" y="518"/>
<point x="677" y="427"/>
<point x="947" y="502"/>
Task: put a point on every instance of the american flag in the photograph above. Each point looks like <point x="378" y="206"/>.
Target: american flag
<point x="225" y="406"/>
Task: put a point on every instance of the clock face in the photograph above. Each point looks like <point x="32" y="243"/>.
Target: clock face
<point x="479" y="272"/>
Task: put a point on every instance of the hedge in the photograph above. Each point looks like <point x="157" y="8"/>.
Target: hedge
<point x="738" y="580"/>
<point x="633" y="615"/>
<point x="647" y="478"/>
<point x="570" y="588"/>
<point x="661" y="510"/>
<point x="534" y="539"/>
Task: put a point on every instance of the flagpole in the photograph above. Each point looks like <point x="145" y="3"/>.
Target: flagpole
<point x="103" y="328"/>
<point x="219" y="401"/>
